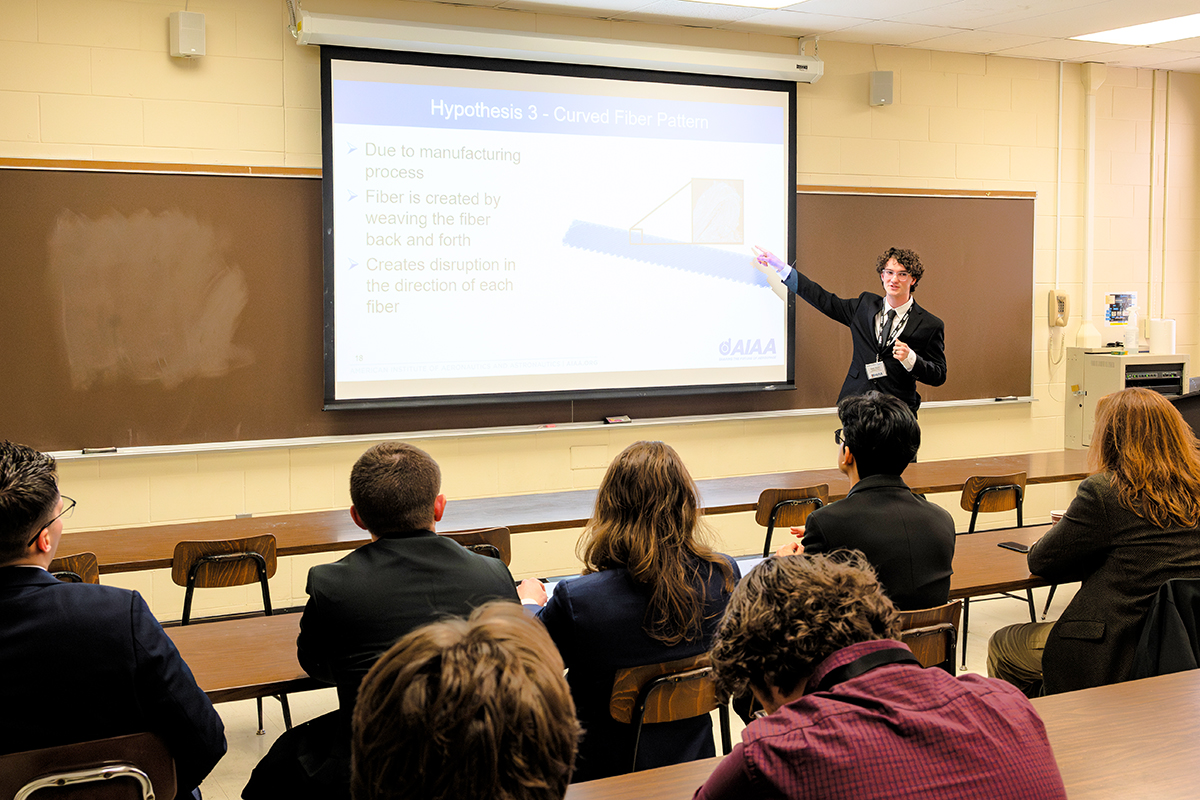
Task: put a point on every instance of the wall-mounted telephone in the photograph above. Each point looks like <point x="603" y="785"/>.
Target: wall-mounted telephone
<point x="1060" y="309"/>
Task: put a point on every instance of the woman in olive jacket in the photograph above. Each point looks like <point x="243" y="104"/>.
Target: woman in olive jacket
<point x="1132" y="526"/>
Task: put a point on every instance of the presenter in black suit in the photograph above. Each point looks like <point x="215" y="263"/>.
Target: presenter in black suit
<point x="896" y="342"/>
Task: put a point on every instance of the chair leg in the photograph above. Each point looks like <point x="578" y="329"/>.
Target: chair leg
<point x="726" y="735"/>
<point x="966" y="618"/>
<point x="260" y="730"/>
<point x="287" y="711"/>
<point x="1032" y="607"/>
<point x="1049" y="599"/>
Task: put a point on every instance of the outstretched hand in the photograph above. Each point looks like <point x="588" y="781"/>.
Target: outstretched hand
<point x="768" y="259"/>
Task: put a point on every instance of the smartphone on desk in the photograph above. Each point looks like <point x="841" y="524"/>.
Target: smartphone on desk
<point x="1014" y="546"/>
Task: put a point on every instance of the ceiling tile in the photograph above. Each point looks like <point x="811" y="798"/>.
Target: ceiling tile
<point x="973" y="14"/>
<point x="1058" y="50"/>
<point x="1153" y="57"/>
<point x="1097" y="17"/>
<point x="868" y="9"/>
<point x="892" y="33"/>
<point x="682" y="12"/>
<point x="794" y="23"/>
<point x="978" y="41"/>
<point x="575" y="8"/>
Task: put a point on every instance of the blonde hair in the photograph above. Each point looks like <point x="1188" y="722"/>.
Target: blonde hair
<point x="1147" y="451"/>
<point x="647" y="521"/>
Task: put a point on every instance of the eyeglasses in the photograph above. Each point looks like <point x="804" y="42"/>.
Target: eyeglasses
<point x="68" y="508"/>
<point x="837" y="436"/>
<point x="901" y="274"/>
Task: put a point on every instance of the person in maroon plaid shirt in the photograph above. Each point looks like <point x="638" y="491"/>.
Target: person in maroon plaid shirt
<point x="849" y="711"/>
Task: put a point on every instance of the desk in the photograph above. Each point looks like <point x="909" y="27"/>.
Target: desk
<point x="241" y="658"/>
<point x="132" y="549"/>
<point x="1130" y="741"/>
<point x="237" y="659"/>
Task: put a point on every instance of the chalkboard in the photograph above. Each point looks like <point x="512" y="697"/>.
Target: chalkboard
<point x="154" y="308"/>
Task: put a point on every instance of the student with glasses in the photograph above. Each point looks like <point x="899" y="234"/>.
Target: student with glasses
<point x="896" y="342"/>
<point x="82" y="661"/>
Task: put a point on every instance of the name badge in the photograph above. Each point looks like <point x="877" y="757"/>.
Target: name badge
<point x="876" y="370"/>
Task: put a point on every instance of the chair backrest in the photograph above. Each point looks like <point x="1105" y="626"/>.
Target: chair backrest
<point x="788" y="508"/>
<point x="932" y="634"/>
<point x="224" y="562"/>
<point x="494" y="542"/>
<point x="664" y="692"/>
<point x="134" y="766"/>
<point x="79" y="568"/>
<point x="989" y="493"/>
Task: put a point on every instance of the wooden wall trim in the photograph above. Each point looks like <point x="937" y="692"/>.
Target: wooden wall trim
<point x="803" y="189"/>
<point x="138" y="166"/>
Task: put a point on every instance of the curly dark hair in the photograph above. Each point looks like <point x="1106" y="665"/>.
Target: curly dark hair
<point x="791" y="613"/>
<point x="905" y="258"/>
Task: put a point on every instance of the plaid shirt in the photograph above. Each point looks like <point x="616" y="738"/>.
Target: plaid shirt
<point x="897" y="731"/>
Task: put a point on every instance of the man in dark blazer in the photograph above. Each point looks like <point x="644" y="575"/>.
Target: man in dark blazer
<point x="896" y="342"/>
<point x="907" y="539"/>
<point x="360" y="606"/>
<point x="81" y="661"/>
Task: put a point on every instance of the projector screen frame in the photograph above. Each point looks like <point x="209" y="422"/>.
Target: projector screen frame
<point x="332" y="53"/>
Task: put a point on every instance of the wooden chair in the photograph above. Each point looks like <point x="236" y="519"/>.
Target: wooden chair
<point x="993" y="493"/>
<point x="788" y="508"/>
<point x="228" y="562"/>
<point x="667" y="692"/>
<point x="79" y="568"/>
<point x="493" y="542"/>
<point x="932" y="634"/>
<point x="133" y="766"/>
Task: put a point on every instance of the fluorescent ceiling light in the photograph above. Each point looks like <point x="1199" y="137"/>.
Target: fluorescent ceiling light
<point x="1165" y="30"/>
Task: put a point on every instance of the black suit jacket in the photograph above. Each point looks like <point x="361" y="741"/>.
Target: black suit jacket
<point x="908" y="539"/>
<point x="1122" y="560"/>
<point x="923" y="333"/>
<point x="80" y="661"/>
<point x="597" y="623"/>
<point x="360" y="606"/>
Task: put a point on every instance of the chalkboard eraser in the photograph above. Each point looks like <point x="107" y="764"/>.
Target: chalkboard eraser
<point x="247" y="515"/>
<point x="617" y="420"/>
<point x="95" y="451"/>
<point x="1012" y="398"/>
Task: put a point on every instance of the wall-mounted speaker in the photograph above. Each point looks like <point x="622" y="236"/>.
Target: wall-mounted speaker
<point x="881" y="88"/>
<point x="187" y="34"/>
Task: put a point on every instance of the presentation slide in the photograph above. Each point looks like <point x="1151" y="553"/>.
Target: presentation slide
<point x="505" y="232"/>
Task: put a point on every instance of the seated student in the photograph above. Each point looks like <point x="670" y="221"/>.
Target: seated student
<point x="360" y="605"/>
<point x="651" y="591"/>
<point x="1133" y="525"/>
<point x="850" y="713"/>
<point x="80" y="661"/>
<point x="473" y="709"/>
<point x="907" y="539"/>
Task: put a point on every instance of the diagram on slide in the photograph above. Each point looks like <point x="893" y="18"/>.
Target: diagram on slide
<point x="702" y="211"/>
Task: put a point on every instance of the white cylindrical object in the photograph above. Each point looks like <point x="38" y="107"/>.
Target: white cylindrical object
<point x="1162" y="336"/>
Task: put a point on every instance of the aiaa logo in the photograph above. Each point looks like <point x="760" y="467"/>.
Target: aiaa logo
<point x="747" y="347"/>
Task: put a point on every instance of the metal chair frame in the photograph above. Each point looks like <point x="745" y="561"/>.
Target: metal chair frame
<point x="1019" y="495"/>
<point x="815" y="501"/>
<point x="260" y="563"/>
<point x="665" y="683"/>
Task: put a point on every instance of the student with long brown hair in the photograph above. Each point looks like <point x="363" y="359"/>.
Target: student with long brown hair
<point x="651" y="591"/>
<point x="1132" y="526"/>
